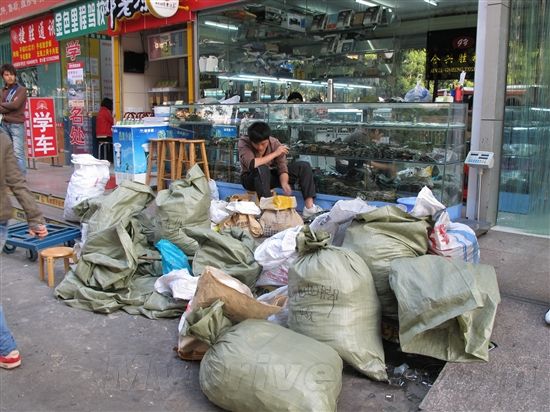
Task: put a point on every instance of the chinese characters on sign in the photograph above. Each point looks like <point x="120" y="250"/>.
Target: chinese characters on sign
<point x="450" y="52"/>
<point x="81" y="19"/>
<point x="124" y="9"/>
<point x="77" y="134"/>
<point x="34" y="43"/>
<point x="41" y="136"/>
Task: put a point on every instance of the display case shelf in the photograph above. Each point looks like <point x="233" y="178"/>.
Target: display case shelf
<point x="377" y="151"/>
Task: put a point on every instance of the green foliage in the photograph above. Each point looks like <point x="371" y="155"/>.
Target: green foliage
<point x="412" y="67"/>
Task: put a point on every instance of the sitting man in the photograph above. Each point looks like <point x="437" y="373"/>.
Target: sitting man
<point x="264" y="167"/>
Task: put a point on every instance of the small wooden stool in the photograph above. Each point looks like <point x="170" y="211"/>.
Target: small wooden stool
<point x="161" y="152"/>
<point x="50" y="255"/>
<point x="188" y="156"/>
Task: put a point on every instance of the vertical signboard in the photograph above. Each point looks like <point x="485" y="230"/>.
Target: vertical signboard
<point x="34" y="43"/>
<point x="40" y="122"/>
<point x="80" y="138"/>
<point x="106" y="58"/>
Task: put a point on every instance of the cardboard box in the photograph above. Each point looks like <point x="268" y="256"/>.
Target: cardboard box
<point x="131" y="148"/>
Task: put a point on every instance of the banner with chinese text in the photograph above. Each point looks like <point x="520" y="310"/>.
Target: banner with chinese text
<point x="450" y="52"/>
<point x="80" y="19"/>
<point x="40" y="122"/>
<point x="34" y="43"/>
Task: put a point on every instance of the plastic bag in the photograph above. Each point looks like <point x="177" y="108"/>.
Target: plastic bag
<point x="426" y="204"/>
<point x="173" y="257"/>
<point x="178" y="283"/>
<point x="418" y="94"/>
<point x="339" y="217"/>
<point x="88" y="180"/>
<point x="276" y="255"/>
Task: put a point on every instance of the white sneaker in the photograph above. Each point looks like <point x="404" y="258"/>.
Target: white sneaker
<point x="310" y="211"/>
<point x="547" y="317"/>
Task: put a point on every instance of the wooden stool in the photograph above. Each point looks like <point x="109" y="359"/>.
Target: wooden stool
<point x="50" y="255"/>
<point x="188" y="156"/>
<point x="161" y="153"/>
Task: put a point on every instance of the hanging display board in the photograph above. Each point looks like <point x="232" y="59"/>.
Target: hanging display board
<point x="449" y="53"/>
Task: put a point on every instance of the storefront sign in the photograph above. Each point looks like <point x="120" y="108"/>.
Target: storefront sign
<point x="123" y="9"/>
<point x="450" y="52"/>
<point x="162" y="9"/>
<point x="81" y="19"/>
<point x="167" y="45"/>
<point x="33" y="43"/>
<point x="41" y="139"/>
<point x="13" y="10"/>
<point x="133" y="16"/>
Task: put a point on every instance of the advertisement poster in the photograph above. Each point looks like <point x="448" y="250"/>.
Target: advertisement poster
<point x="40" y="122"/>
<point x="33" y="43"/>
<point x="106" y="64"/>
<point x="75" y="73"/>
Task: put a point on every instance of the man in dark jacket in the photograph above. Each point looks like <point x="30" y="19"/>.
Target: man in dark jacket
<point x="12" y="178"/>
<point x="12" y="112"/>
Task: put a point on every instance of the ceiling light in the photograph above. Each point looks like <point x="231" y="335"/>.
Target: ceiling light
<point x="431" y="2"/>
<point x="221" y="25"/>
<point x="366" y="3"/>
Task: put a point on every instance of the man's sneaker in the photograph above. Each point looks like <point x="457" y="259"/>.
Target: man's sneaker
<point x="310" y="211"/>
<point x="547" y="317"/>
<point x="11" y="360"/>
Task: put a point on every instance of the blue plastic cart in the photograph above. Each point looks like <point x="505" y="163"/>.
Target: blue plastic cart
<point x="18" y="236"/>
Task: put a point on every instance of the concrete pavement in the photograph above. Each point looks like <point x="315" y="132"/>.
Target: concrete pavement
<point x="78" y="360"/>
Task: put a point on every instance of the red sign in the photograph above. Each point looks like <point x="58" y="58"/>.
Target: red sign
<point x="19" y="9"/>
<point x="34" y="43"/>
<point x="40" y="119"/>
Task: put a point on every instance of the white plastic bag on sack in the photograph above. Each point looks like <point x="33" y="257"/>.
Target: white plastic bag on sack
<point x="178" y="283"/>
<point x="218" y="212"/>
<point x="214" y="192"/>
<point x="244" y="207"/>
<point x="276" y="254"/>
<point x="88" y="180"/>
<point x="339" y="217"/>
<point x="278" y="297"/>
<point x="426" y="204"/>
<point x="455" y="240"/>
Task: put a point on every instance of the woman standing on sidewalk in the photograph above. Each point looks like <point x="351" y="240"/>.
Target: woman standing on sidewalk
<point x="11" y="177"/>
<point x="12" y="113"/>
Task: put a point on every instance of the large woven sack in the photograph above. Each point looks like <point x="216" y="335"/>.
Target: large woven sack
<point x="447" y="307"/>
<point x="257" y="366"/>
<point x="184" y="204"/>
<point x="332" y="299"/>
<point x="379" y="237"/>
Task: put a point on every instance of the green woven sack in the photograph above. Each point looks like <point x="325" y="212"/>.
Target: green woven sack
<point x="332" y="299"/>
<point x="258" y="366"/>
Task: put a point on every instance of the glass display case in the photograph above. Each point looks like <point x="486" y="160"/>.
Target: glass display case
<point x="523" y="147"/>
<point x="377" y="151"/>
